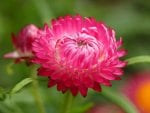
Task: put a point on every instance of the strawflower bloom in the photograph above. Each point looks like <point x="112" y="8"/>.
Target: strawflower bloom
<point x="23" y="43"/>
<point x="137" y="89"/>
<point x="78" y="53"/>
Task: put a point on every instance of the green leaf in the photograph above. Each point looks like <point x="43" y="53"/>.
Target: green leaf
<point x="138" y="59"/>
<point x="21" y="85"/>
<point x="119" y="100"/>
<point x="4" y="108"/>
<point x="2" y="94"/>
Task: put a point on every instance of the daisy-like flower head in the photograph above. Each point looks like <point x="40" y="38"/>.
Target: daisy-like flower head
<point x="137" y="90"/>
<point x="78" y="53"/>
<point x="23" y="43"/>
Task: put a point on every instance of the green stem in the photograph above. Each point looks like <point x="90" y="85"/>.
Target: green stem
<point x="68" y="103"/>
<point x="36" y="93"/>
<point x="119" y="100"/>
<point x="138" y="59"/>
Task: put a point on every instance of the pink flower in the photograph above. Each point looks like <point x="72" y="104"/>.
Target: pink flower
<point x="137" y="89"/>
<point x="105" y="108"/>
<point x="78" y="53"/>
<point x="23" y="43"/>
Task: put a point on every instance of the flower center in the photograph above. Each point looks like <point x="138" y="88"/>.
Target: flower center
<point x="143" y="97"/>
<point x="80" y="52"/>
<point x="81" y="43"/>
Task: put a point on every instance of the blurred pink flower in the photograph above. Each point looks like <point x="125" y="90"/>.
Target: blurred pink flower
<point x="137" y="89"/>
<point x="105" y="108"/>
<point x="23" y="43"/>
<point x="78" y="53"/>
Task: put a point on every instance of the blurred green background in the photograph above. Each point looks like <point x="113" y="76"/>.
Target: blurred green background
<point x="129" y="18"/>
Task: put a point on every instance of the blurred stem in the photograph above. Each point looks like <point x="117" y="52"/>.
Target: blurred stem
<point x="119" y="100"/>
<point x="68" y="103"/>
<point x="138" y="59"/>
<point x="43" y="10"/>
<point x="36" y="92"/>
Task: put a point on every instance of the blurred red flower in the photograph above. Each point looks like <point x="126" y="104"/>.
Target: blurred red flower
<point x="105" y="108"/>
<point x="137" y="89"/>
<point x="23" y="43"/>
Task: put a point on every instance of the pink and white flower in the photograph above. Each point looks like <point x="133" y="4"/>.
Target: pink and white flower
<point x="23" y="43"/>
<point x="78" y="53"/>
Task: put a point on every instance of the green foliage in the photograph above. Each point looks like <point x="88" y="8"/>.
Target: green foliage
<point x="2" y="94"/>
<point x="21" y="85"/>
<point x="119" y="99"/>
